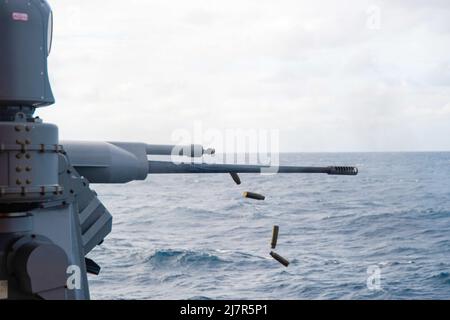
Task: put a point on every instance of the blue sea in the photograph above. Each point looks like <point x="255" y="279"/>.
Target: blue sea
<point x="196" y="237"/>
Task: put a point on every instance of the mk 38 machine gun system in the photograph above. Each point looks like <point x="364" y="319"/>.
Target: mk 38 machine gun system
<point x="50" y="218"/>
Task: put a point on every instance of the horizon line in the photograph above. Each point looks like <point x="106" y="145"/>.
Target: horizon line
<point x="384" y="151"/>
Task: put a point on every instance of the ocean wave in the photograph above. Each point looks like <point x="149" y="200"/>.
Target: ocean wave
<point x="199" y="298"/>
<point x="442" y="277"/>
<point x="204" y="240"/>
<point x="184" y="258"/>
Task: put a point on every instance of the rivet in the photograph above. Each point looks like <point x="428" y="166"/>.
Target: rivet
<point x="18" y="169"/>
<point x="18" y="182"/>
<point x="28" y="181"/>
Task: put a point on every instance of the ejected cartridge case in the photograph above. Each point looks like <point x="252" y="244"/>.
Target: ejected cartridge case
<point x="279" y="258"/>
<point x="252" y="195"/>
<point x="273" y="244"/>
<point x="235" y="177"/>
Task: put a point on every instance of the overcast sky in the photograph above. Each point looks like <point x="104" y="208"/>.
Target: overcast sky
<point x="330" y="75"/>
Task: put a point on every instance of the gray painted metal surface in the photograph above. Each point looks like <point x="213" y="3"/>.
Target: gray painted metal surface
<point x="26" y="35"/>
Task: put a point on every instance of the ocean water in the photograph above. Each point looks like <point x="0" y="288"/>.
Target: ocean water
<point x="196" y="237"/>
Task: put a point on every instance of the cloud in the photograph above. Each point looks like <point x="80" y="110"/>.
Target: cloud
<point x="317" y="71"/>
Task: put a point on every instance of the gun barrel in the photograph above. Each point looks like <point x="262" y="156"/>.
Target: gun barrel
<point x="166" y="167"/>
<point x="121" y="162"/>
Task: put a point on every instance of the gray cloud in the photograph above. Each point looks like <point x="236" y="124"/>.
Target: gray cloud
<point x="313" y="70"/>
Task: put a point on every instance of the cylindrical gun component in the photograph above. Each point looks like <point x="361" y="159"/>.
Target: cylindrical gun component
<point x="345" y="171"/>
<point x="107" y="162"/>
<point x="275" y="230"/>
<point x="252" y="195"/>
<point x="235" y="177"/>
<point x="157" y="167"/>
<point x="192" y="150"/>
<point x="279" y="258"/>
<point x="210" y="151"/>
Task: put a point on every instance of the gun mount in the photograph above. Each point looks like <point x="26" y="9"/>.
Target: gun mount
<point x="50" y="218"/>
